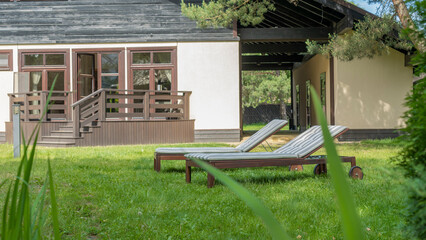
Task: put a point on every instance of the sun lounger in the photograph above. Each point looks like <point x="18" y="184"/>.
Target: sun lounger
<point x="295" y="152"/>
<point x="178" y="153"/>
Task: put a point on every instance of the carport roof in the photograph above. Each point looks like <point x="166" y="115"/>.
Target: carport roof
<point x="278" y="43"/>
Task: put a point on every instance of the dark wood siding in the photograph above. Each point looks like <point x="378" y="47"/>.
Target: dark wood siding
<point x="139" y="132"/>
<point x="100" y="21"/>
<point x="120" y="132"/>
<point x="362" y="134"/>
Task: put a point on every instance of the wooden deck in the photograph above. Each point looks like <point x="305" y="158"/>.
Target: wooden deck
<point x="106" y="117"/>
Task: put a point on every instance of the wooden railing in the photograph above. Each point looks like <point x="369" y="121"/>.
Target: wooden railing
<point x="129" y="105"/>
<point x="32" y="104"/>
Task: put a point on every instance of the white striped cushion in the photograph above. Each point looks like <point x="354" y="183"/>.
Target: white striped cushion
<point x="308" y="141"/>
<point x="239" y="156"/>
<point x="261" y="135"/>
<point x="180" y="150"/>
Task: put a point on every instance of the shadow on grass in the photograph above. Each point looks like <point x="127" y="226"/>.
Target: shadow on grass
<point x="263" y="178"/>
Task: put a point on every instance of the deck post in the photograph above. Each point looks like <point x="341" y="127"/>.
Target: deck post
<point x="42" y="104"/>
<point x="10" y="107"/>
<point x="102" y="106"/>
<point x="186" y="113"/>
<point x="146" y="108"/>
<point x="26" y="117"/>
<point x="68" y="106"/>
<point x="76" y="121"/>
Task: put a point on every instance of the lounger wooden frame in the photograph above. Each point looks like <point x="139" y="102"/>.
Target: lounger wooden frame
<point x="355" y="172"/>
<point x="158" y="157"/>
<point x="221" y="164"/>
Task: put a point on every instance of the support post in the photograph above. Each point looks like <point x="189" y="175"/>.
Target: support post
<point x="146" y="109"/>
<point x="68" y="106"/>
<point x="42" y="104"/>
<point x="16" y="110"/>
<point x="102" y="106"/>
<point x="76" y="121"/>
<point x="10" y="108"/>
<point x="186" y="112"/>
<point x="26" y="111"/>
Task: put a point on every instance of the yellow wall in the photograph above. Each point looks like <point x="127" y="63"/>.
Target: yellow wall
<point x="370" y="92"/>
<point x="311" y="70"/>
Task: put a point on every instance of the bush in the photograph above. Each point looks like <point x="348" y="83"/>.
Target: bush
<point x="413" y="156"/>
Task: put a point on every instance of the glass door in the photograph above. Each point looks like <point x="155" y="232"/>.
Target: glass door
<point x="86" y="78"/>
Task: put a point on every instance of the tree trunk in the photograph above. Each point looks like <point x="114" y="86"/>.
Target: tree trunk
<point x="407" y="22"/>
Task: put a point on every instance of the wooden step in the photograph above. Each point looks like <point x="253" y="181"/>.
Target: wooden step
<point x="2" y="137"/>
<point x="59" y="139"/>
<point x="54" y="144"/>
<point x="65" y="133"/>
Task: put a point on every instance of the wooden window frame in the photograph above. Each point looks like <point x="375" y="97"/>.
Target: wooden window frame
<point x="10" y="60"/>
<point x="46" y="68"/>
<point x="152" y="66"/>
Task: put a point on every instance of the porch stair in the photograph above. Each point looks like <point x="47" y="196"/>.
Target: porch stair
<point x="63" y="137"/>
<point x="2" y="137"/>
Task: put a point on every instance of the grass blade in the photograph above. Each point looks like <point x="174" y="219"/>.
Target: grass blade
<point x="274" y="227"/>
<point x="3" y="183"/>
<point x="53" y="203"/>
<point x="4" y="227"/>
<point x="37" y="209"/>
<point x="351" y="221"/>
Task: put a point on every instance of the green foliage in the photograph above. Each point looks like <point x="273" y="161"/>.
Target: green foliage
<point x="351" y="222"/>
<point x="223" y="12"/>
<point x="266" y="87"/>
<point x="413" y="156"/>
<point x="371" y="37"/>
<point x="22" y="218"/>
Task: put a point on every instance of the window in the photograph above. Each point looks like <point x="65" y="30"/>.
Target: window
<point x="308" y="104"/>
<point x="98" y="68"/>
<point x="43" y="67"/>
<point x="298" y="107"/>
<point x="6" y="60"/>
<point x="323" y="91"/>
<point x="152" y="69"/>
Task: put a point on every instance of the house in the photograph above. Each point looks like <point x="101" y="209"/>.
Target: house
<point x="137" y="71"/>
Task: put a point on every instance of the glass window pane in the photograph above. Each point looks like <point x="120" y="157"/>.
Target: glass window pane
<point x="4" y="60"/>
<point x="141" y="79"/>
<point x="35" y="81"/>
<point x="33" y="59"/>
<point x="110" y="82"/>
<point x="87" y="65"/>
<point x="55" y="59"/>
<point x="141" y="58"/>
<point x="85" y="86"/>
<point x="162" y="57"/>
<point x="60" y="81"/>
<point x="110" y="63"/>
<point x="163" y="79"/>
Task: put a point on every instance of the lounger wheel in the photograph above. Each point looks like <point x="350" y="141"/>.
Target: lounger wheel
<point x="320" y="169"/>
<point x="356" y="173"/>
<point x="298" y="168"/>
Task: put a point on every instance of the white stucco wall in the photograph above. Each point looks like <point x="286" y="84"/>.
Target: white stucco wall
<point x="211" y="72"/>
<point x="370" y="93"/>
<point x="209" y="69"/>
<point x="6" y="86"/>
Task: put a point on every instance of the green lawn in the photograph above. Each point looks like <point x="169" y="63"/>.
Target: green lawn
<point x="258" y="126"/>
<point x="114" y="193"/>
